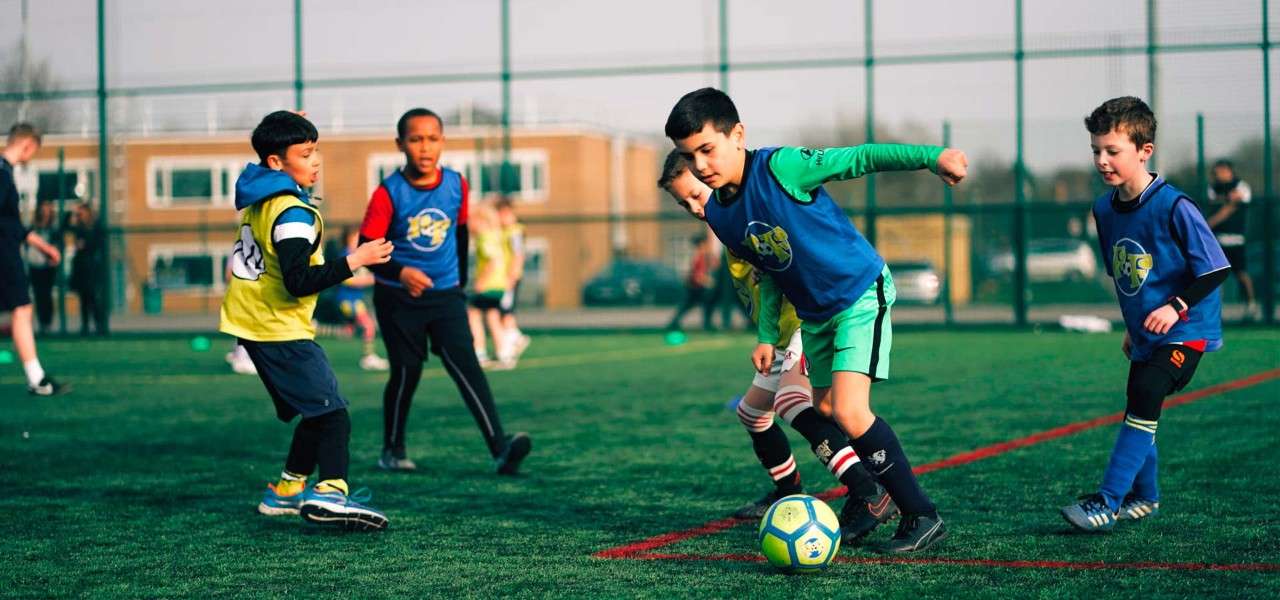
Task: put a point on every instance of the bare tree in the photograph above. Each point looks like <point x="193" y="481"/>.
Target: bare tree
<point x="35" y="78"/>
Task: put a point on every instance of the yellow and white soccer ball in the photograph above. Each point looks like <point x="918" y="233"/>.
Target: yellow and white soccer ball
<point x="800" y="533"/>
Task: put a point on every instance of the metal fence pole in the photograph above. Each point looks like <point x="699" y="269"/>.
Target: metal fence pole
<point x="947" y="200"/>
<point x="869" y="226"/>
<point x="1020" y="224"/>
<point x="1268" y="229"/>
<point x="724" y="46"/>
<point x="503" y="186"/>
<point x="1151" y="66"/>
<point x="297" y="55"/>
<point x="104" y="177"/>
<point x="60" y="278"/>
<point x="1202" y="178"/>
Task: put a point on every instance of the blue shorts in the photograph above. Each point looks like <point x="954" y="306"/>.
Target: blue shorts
<point x="298" y="377"/>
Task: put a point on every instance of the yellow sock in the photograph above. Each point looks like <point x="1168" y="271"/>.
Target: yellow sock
<point x="290" y="484"/>
<point x="332" y="485"/>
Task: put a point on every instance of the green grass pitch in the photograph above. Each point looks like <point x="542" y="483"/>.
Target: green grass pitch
<point x="143" y="481"/>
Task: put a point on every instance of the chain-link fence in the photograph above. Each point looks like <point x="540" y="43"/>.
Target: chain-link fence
<point x="559" y="104"/>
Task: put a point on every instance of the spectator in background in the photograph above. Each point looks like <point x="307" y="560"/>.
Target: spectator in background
<point x="1229" y="198"/>
<point x="700" y="282"/>
<point x="86" y="267"/>
<point x="41" y="268"/>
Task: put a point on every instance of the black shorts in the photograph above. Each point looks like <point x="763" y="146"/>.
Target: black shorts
<point x="487" y="301"/>
<point x="1237" y="258"/>
<point x="1175" y="360"/>
<point x="508" y="307"/>
<point x="298" y="377"/>
<point x="408" y="324"/>
<point x="13" y="279"/>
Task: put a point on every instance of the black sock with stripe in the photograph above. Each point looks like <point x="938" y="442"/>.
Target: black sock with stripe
<point x="774" y="452"/>
<point x="885" y="458"/>
<point x="828" y="443"/>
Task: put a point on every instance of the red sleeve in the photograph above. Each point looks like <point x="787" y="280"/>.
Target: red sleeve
<point x="377" y="217"/>
<point x="462" y="210"/>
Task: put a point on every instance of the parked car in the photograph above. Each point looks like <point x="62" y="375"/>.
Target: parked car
<point x="917" y="282"/>
<point x="1051" y="259"/>
<point x="630" y="282"/>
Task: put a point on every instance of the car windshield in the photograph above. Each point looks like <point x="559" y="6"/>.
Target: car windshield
<point x="910" y="266"/>
<point x="1053" y="246"/>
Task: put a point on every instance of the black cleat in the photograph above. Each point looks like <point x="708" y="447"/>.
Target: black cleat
<point x="518" y="447"/>
<point x="756" y="508"/>
<point x="48" y="387"/>
<point x="916" y="533"/>
<point x="860" y="516"/>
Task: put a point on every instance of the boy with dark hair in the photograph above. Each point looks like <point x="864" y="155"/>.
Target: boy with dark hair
<point x="422" y="210"/>
<point x="1229" y="198"/>
<point x="22" y="144"/>
<point x="277" y="270"/>
<point x="770" y="209"/>
<point x="784" y="390"/>
<point x="1167" y="268"/>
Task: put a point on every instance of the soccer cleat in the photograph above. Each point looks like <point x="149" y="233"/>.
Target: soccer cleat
<point x="860" y="516"/>
<point x="373" y="362"/>
<point x="274" y="504"/>
<point x="916" y="533"/>
<point x="335" y="509"/>
<point x="756" y="509"/>
<point x="48" y="387"/>
<point x="521" y="344"/>
<point x="1134" y="508"/>
<point x="1090" y="514"/>
<point x="391" y="462"/>
<point x="516" y="448"/>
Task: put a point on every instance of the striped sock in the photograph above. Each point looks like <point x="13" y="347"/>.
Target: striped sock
<point x="1133" y="446"/>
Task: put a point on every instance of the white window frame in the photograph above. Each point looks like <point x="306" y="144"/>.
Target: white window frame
<point x="162" y="167"/>
<point x="27" y="178"/>
<point x="217" y="254"/>
<point x="469" y="163"/>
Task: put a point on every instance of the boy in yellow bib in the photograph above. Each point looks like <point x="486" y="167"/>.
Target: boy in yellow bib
<point x="784" y="389"/>
<point x="277" y="270"/>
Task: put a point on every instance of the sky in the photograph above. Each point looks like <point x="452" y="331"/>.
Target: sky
<point x="177" y="42"/>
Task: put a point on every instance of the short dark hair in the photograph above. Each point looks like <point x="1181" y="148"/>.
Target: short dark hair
<point x="413" y="113"/>
<point x="1125" y="114"/>
<point x="279" y="130"/>
<point x="504" y="203"/>
<point x="23" y="130"/>
<point x="672" y="167"/>
<point x="1225" y="162"/>
<point x="699" y="107"/>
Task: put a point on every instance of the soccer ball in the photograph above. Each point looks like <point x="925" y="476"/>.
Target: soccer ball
<point x="800" y="533"/>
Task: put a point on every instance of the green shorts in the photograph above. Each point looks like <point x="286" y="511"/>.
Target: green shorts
<point x="857" y="339"/>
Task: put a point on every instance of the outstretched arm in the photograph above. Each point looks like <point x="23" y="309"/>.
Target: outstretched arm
<point x="802" y="170"/>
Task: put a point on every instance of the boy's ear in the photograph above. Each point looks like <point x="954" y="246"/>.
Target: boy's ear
<point x="738" y="135"/>
<point x="274" y="162"/>
<point x="1147" y="150"/>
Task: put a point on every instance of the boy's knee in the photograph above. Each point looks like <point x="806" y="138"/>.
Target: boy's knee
<point x="855" y="418"/>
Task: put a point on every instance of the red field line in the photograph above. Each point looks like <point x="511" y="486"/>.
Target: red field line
<point x="965" y="562"/>
<point x="640" y="550"/>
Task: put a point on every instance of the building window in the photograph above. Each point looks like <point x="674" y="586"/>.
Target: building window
<point x="524" y="178"/>
<point x="187" y="267"/>
<point x="38" y="182"/>
<point x="193" y="182"/>
<point x="533" y="287"/>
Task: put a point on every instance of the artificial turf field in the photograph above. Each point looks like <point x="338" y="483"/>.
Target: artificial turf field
<point x="144" y="480"/>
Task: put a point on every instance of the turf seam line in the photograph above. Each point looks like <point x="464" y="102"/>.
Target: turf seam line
<point x="979" y="562"/>
<point x="641" y="550"/>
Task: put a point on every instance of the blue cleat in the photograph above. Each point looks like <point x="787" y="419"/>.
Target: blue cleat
<point x="1134" y="508"/>
<point x="336" y="509"/>
<point x="274" y="504"/>
<point x="1090" y="514"/>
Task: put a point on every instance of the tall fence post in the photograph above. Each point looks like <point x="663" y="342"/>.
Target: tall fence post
<point x="869" y="224"/>
<point x="60" y="278"/>
<point x="1202" y="175"/>
<point x="1020" y="224"/>
<point x="297" y="55"/>
<point x="947" y="206"/>
<point x="724" y="46"/>
<point x="1152" y="79"/>
<point x="104" y="173"/>
<point x="503" y="186"/>
<point x="1268" y="291"/>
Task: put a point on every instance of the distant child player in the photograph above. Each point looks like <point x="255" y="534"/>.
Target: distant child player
<point x="513" y="243"/>
<point x="489" y="288"/>
<point x="351" y="304"/>
<point x="1167" y="267"/>
<point x="770" y="209"/>
<point x="277" y="271"/>
<point x="422" y="210"/>
<point x="22" y="144"/>
<point x="784" y="389"/>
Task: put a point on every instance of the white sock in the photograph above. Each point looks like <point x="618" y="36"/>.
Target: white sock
<point x="35" y="373"/>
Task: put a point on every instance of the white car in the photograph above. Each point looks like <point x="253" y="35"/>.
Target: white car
<point x="1052" y="259"/>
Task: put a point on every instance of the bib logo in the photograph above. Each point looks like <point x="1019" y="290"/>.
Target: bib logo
<point x="246" y="256"/>
<point x="771" y="245"/>
<point x="428" y="229"/>
<point x="1130" y="263"/>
